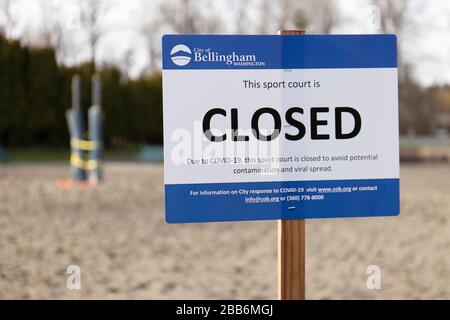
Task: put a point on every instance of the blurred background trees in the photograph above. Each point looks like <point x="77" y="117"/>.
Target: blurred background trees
<point x="37" y="64"/>
<point x="35" y="92"/>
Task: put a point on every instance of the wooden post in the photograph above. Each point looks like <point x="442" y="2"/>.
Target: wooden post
<point x="291" y="248"/>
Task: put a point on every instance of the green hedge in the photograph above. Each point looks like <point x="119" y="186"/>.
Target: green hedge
<point x="35" y="93"/>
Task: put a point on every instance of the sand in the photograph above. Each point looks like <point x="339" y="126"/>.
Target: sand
<point x="117" y="235"/>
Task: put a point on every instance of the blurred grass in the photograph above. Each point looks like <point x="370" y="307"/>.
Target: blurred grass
<point x="36" y="154"/>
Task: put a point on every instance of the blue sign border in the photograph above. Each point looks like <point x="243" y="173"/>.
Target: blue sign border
<point x="287" y="51"/>
<point x="281" y="52"/>
<point x="182" y="207"/>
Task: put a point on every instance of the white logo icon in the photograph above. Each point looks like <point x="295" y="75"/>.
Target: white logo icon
<point x="180" y="55"/>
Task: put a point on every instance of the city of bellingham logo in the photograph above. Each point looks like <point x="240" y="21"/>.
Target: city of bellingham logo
<point x="181" y="55"/>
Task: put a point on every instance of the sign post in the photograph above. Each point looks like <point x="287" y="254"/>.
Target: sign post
<point x="291" y="247"/>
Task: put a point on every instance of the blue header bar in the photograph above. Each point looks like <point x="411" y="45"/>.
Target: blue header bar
<point x="279" y="52"/>
<point x="182" y="207"/>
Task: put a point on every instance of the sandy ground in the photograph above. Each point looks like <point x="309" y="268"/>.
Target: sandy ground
<point x="117" y="235"/>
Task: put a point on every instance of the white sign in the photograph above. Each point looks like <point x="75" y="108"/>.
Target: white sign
<point x="280" y="127"/>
